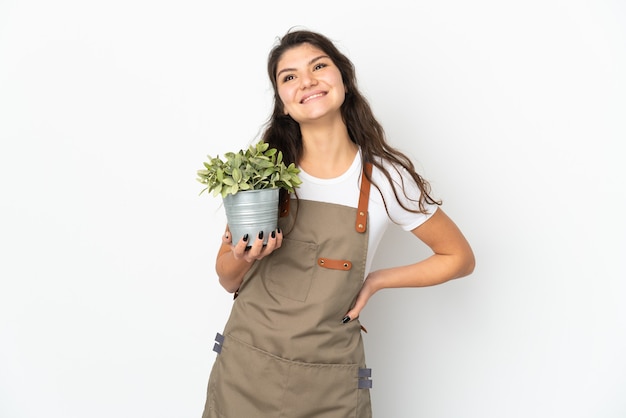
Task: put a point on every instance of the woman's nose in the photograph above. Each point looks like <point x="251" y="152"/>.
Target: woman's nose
<point x="307" y="80"/>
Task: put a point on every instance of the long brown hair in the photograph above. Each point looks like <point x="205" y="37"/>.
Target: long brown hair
<point x="283" y="133"/>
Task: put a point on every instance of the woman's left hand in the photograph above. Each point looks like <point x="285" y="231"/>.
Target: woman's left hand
<point x="366" y="292"/>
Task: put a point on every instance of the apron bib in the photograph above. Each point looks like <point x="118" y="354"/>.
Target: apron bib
<point x="285" y="352"/>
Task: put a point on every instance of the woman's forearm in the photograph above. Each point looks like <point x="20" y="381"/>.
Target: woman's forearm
<point x="431" y="271"/>
<point x="231" y="270"/>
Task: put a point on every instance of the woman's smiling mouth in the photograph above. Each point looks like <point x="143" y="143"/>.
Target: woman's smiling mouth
<point x="311" y="97"/>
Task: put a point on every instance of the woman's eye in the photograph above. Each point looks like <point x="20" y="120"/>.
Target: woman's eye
<point x="288" y="78"/>
<point x="319" y="66"/>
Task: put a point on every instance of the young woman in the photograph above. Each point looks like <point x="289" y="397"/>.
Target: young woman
<point x="292" y="346"/>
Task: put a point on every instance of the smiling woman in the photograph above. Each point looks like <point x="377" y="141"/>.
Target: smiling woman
<point x="292" y="346"/>
<point x="310" y="85"/>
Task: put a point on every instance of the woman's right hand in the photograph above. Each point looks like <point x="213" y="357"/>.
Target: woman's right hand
<point x="234" y="261"/>
<point x="257" y="251"/>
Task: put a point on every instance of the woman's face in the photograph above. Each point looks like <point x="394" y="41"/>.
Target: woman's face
<point x="309" y="84"/>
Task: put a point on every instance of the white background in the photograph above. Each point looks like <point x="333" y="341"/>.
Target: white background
<point x="513" y="110"/>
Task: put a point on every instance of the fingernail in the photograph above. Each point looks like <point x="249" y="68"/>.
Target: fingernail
<point x="345" y="319"/>
<point x="279" y="231"/>
<point x="261" y="235"/>
<point x="273" y="234"/>
<point x="245" y="237"/>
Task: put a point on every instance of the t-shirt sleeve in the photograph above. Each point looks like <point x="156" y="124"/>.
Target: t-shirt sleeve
<point x="403" y="181"/>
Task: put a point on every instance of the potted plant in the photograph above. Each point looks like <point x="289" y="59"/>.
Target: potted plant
<point x="249" y="182"/>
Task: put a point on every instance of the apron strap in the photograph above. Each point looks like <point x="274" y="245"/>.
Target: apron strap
<point x="364" y="198"/>
<point x="284" y="201"/>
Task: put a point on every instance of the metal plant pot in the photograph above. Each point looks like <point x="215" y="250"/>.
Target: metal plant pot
<point x="252" y="211"/>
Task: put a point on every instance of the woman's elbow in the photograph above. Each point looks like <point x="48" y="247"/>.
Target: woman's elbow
<point x="467" y="264"/>
<point x="229" y="285"/>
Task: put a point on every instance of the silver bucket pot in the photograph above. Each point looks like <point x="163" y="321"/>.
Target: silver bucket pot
<point x="252" y="211"/>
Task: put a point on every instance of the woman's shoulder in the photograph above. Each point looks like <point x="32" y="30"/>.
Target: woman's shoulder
<point x="391" y="170"/>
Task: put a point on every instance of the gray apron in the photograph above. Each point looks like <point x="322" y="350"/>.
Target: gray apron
<point x="285" y="352"/>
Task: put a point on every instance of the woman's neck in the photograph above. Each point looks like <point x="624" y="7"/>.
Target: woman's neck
<point x="327" y="152"/>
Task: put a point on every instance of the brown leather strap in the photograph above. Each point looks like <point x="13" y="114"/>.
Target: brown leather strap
<point x="285" y="199"/>
<point x="361" y="213"/>
<point x="334" y="264"/>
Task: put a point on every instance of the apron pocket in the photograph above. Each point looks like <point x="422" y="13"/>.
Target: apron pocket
<point x="290" y="271"/>
<point x="246" y="382"/>
<point x="324" y="390"/>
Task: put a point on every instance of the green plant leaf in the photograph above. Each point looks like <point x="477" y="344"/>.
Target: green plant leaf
<point x="262" y="146"/>
<point x="237" y="161"/>
<point x="267" y="172"/>
<point x="237" y="176"/>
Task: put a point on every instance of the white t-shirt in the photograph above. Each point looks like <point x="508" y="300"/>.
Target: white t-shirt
<point x="345" y="189"/>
